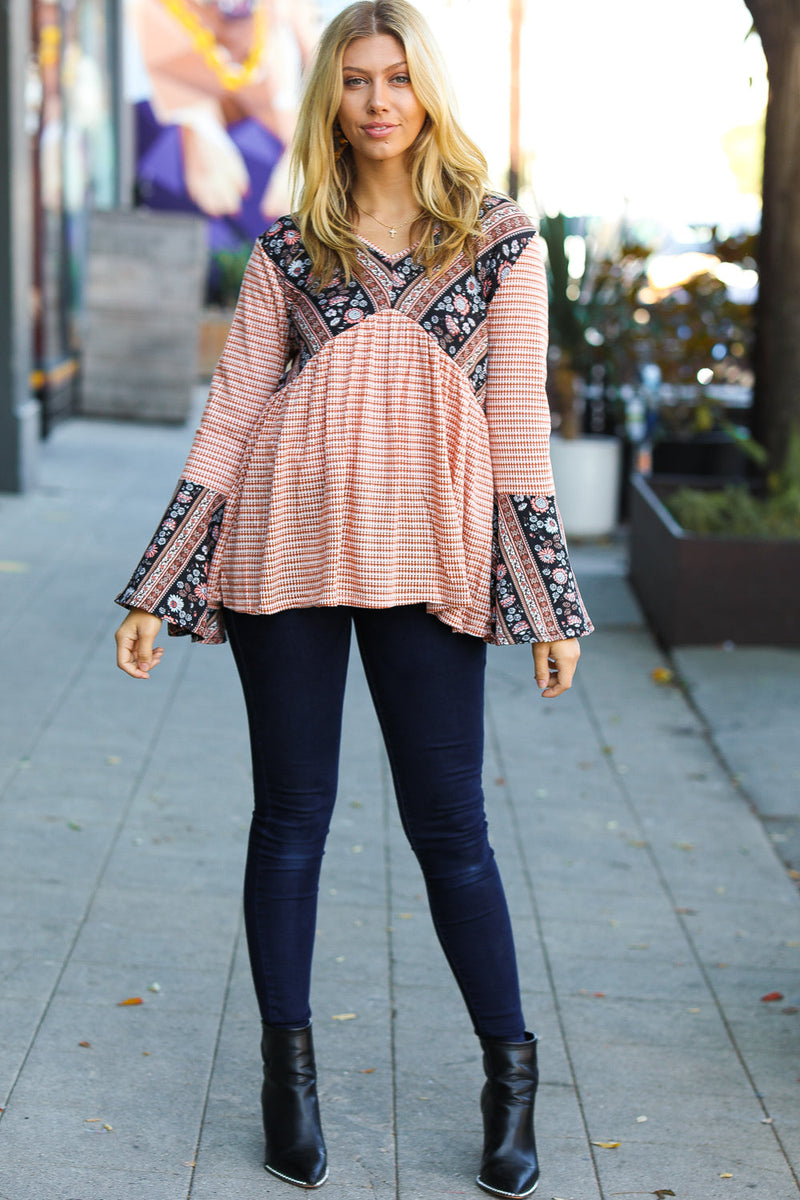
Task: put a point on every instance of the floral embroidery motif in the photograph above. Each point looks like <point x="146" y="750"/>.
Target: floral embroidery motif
<point x="171" y="579"/>
<point x="453" y="317"/>
<point x="533" y="593"/>
<point x="531" y="575"/>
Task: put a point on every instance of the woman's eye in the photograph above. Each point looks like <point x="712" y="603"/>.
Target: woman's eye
<point x="401" y="79"/>
<point x="352" y="81"/>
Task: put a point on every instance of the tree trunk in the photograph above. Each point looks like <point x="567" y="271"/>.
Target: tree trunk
<point x="776" y="408"/>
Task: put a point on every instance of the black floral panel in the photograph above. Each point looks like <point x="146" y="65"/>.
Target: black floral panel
<point x="534" y="594"/>
<point x="451" y="308"/>
<point x="171" y="581"/>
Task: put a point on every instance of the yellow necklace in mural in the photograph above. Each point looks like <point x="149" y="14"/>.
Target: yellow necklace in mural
<point x="231" y="75"/>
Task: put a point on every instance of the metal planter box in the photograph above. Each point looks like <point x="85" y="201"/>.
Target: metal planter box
<point x="701" y="590"/>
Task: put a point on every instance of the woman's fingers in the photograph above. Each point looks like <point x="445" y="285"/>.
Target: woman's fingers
<point x="554" y="664"/>
<point x="136" y="655"/>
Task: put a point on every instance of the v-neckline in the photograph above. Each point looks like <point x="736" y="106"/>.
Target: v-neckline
<point x="398" y="256"/>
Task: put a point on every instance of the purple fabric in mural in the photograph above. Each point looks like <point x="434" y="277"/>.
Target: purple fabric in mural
<point x="161" y="182"/>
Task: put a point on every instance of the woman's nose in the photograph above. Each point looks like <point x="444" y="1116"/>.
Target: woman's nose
<point x="377" y="102"/>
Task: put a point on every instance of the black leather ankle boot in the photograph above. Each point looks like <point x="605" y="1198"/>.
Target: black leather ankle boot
<point x="509" y="1166"/>
<point x="295" y="1146"/>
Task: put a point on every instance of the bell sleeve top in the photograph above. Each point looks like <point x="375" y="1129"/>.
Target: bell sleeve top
<point x="379" y="443"/>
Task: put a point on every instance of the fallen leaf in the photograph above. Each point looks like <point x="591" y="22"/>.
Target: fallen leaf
<point x="500" y="781"/>
<point x="88" y="1045"/>
<point x="130" y="1001"/>
<point x="686" y="912"/>
<point x="343" y="1017"/>
<point x="683" y="846"/>
<point x="92" y="1120"/>
<point x="693" y="1010"/>
<point x="790" y="1010"/>
<point x="607" y="1145"/>
<point x="366" y="1071"/>
<point x="793" y="874"/>
<point x="109" y="1128"/>
<point x="639" y="1120"/>
<point x="74" y="825"/>
<point x="154" y="987"/>
<point x="767" y="1120"/>
<point x="599" y="995"/>
<point x="771" y="996"/>
<point x="191" y="1164"/>
<point x="726" y="1175"/>
<point x="660" y="1193"/>
<point x="662" y="676"/>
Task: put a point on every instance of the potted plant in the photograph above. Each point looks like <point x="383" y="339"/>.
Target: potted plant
<point x="713" y="564"/>
<point x="586" y="455"/>
<point x="703" y="324"/>
<point x="225" y="271"/>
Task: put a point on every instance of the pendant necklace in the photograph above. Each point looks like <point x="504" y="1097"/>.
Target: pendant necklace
<point x="393" y="229"/>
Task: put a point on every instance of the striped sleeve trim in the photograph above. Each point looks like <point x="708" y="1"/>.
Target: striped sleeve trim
<point x="171" y="580"/>
<point x="533" y="591"/>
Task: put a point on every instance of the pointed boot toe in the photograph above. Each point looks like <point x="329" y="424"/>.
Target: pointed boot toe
<point x="295" y="1147"/>
<point x="509" y="1166"/>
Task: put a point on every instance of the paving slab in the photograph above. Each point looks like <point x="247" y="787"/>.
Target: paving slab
<point x="644" y="833"/>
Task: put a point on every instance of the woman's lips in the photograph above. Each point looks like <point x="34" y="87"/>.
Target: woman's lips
<point x="378" y="131"/>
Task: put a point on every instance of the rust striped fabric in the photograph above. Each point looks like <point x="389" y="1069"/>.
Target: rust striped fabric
<point x="360" y="441"/>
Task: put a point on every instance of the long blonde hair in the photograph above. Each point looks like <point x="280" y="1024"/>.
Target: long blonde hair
<point x="448" y="171"/>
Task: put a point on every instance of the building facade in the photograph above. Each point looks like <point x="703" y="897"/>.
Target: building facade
<point x="61" y="129"/>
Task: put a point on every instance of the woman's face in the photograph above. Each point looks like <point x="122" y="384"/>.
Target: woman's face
<point x="379" y="114"/>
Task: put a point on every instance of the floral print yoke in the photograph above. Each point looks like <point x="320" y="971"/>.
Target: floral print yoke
<point x="374" y="444"/>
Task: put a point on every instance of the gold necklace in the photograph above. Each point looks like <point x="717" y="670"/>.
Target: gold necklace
<point x="393" y="229"/>
<point x="232" y="75"/>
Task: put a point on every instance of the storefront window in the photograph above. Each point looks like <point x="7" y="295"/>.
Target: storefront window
<point x="74" y="171"/>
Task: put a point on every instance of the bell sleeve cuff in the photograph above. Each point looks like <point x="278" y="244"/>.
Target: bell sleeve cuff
<point x="534" y="595"/>
<point x="171" y="581"/>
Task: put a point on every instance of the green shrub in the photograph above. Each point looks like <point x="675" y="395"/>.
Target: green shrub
<point x="735" y="512"/>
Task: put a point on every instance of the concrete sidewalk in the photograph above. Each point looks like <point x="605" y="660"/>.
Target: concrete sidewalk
<point x="652" y="906"/>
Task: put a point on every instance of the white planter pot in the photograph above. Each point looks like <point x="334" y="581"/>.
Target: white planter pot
<point x="587" y="474"/>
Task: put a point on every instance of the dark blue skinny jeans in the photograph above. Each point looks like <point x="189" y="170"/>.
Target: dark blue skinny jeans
<point x="427" y="687"/>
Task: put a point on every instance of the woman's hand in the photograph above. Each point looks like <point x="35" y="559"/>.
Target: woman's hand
<point x="555" y="663"/>
<point x="215" y="172"/>
<point x="136" y="654"/>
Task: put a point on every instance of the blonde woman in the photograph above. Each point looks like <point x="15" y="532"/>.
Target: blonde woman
<point x="374" y="455"/>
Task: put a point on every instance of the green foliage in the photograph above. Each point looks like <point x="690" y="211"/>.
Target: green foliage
<point x="566" y="324"/>
<point x="612" y="318"/>
<point x="227" y="271"/>
<point x="735" y="512"/>
<point x="632" y="324"/>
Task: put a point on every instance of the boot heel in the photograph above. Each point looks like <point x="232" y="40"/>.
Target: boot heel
<point x="509" y="1167"/>
<point x="295" y="1148"/>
